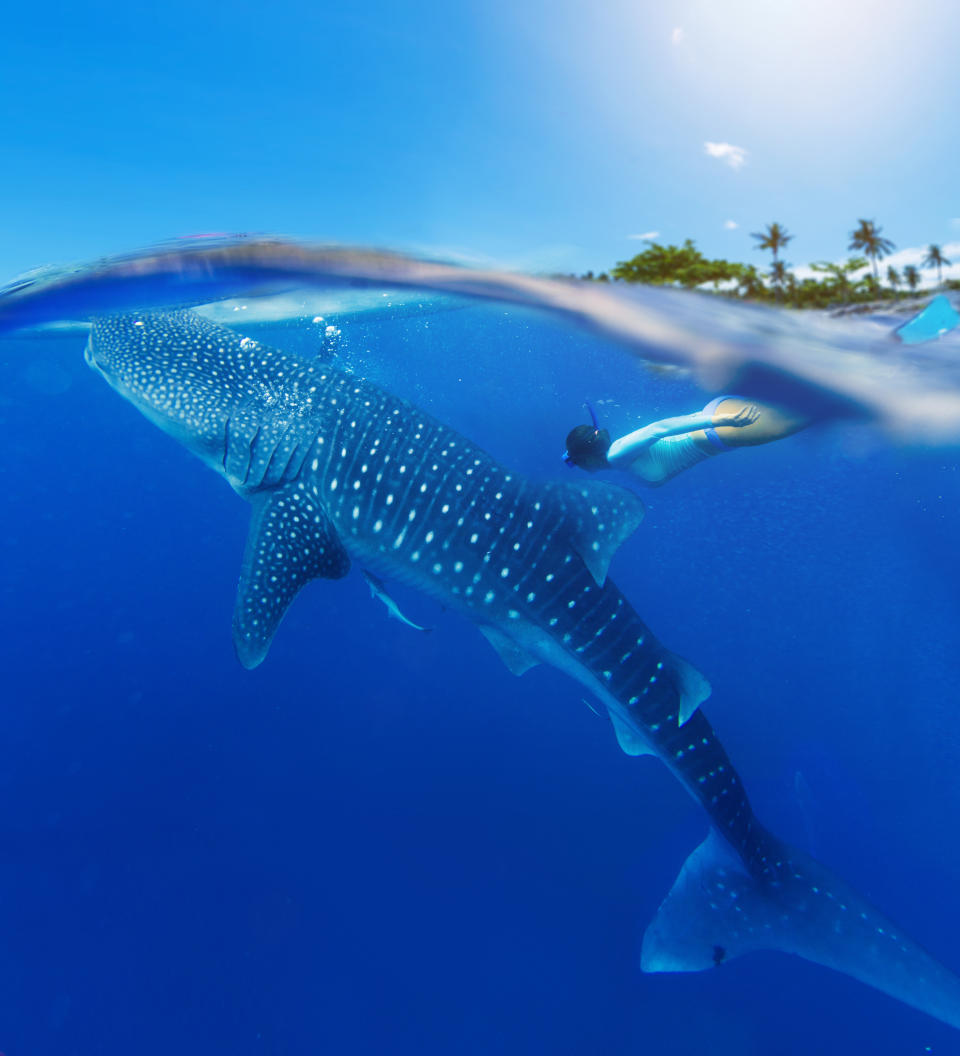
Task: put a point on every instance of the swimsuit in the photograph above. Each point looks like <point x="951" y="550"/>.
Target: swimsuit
<point x="711" y="409"/>
<point x="659" y="461"/>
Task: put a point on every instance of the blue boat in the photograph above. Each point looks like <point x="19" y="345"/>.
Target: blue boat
<point x="938" y="318"/>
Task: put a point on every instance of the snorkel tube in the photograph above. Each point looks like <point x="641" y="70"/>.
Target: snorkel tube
<point x="567" y="458"/>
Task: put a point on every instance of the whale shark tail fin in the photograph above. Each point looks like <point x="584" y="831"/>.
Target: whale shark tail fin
<point x="716" y="911"/>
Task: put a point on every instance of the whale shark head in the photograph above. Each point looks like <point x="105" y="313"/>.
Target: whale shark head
<point x="193" y="379"/>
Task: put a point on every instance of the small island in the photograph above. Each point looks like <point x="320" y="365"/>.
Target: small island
<point x="837" y="286"/>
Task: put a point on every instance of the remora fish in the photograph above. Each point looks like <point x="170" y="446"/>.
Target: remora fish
<point x="378" y="590"/>
<point x="335" y="466"/>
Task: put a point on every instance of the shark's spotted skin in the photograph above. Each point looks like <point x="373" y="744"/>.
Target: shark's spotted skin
<point x="233" y="402"/>
<point x="335" y="466"/>
<point x="291" y="541"/>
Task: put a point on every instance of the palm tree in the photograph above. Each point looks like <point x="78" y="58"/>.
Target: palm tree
<point x="840" y="273"/>
<point x="869" y="287"/>
<point x="935" y="259"/>
<point x="893" y="277"/>
<point x="774" y="238"/>
<point x="911" y="276"/>
<point x="749" y="282"/>
<point x="871" y="243"/>
<point x="781" y="277"/>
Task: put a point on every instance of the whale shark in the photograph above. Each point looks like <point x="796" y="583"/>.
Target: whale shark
<point x="337" y="470"/>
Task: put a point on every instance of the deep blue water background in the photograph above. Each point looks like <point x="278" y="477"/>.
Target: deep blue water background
<point x="381" y="841"/>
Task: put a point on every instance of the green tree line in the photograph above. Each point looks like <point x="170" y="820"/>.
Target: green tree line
<point x="834" y="284"/>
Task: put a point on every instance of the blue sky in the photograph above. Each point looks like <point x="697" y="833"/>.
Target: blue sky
<point x="536" y="135"/>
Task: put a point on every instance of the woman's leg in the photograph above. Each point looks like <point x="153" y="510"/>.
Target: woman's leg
<point x="773" y="423"/>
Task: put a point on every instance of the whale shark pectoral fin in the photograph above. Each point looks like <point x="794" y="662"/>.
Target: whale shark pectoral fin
<point x="716" y="911"/>
<point x="516" y="658"/>
<point x="692" y="688"/>
<point x="600" y="517"/>
<point x="291" y="541"/>
<point x="628" y="739"/>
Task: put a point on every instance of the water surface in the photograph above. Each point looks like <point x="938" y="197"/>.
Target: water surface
<point x="381" y="841"/>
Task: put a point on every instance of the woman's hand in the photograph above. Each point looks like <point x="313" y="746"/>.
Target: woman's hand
<point x="745" y="416"/>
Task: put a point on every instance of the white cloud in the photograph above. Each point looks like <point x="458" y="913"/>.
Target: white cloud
<point x="730" y="225"/>
<point x="647" y="236"/>
<point x="735" y="157"/>
<point x="676" y="37"/>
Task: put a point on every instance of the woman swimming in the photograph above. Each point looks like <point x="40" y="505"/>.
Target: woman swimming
<point x="659" y="451"/>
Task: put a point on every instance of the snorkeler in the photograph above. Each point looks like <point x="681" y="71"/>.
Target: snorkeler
<point x="659" y="451"/>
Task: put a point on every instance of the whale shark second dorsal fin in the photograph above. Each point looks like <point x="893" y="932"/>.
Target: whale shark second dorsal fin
<point x="291" y="541"/>
<point x="600" y="517"/>
<point x="692" y="687"/>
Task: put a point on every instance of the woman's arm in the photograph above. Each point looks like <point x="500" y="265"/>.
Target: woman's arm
<point x="628" y="447"/>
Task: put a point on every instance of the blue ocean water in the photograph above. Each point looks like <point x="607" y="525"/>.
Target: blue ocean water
<point x="381" y="841"/>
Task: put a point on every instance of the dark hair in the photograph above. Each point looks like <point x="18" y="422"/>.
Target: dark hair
<point x="587" y="447"/>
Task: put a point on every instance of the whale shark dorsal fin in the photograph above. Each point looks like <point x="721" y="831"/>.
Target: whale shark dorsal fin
<point x="291" y="541"/>
<point x="517" y="660"/>
<point x="600" y="517"/>
<point x="692" y="687"/>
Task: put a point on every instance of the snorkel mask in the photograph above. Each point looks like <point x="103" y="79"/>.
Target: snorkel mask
<point x="567" y="457"/>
